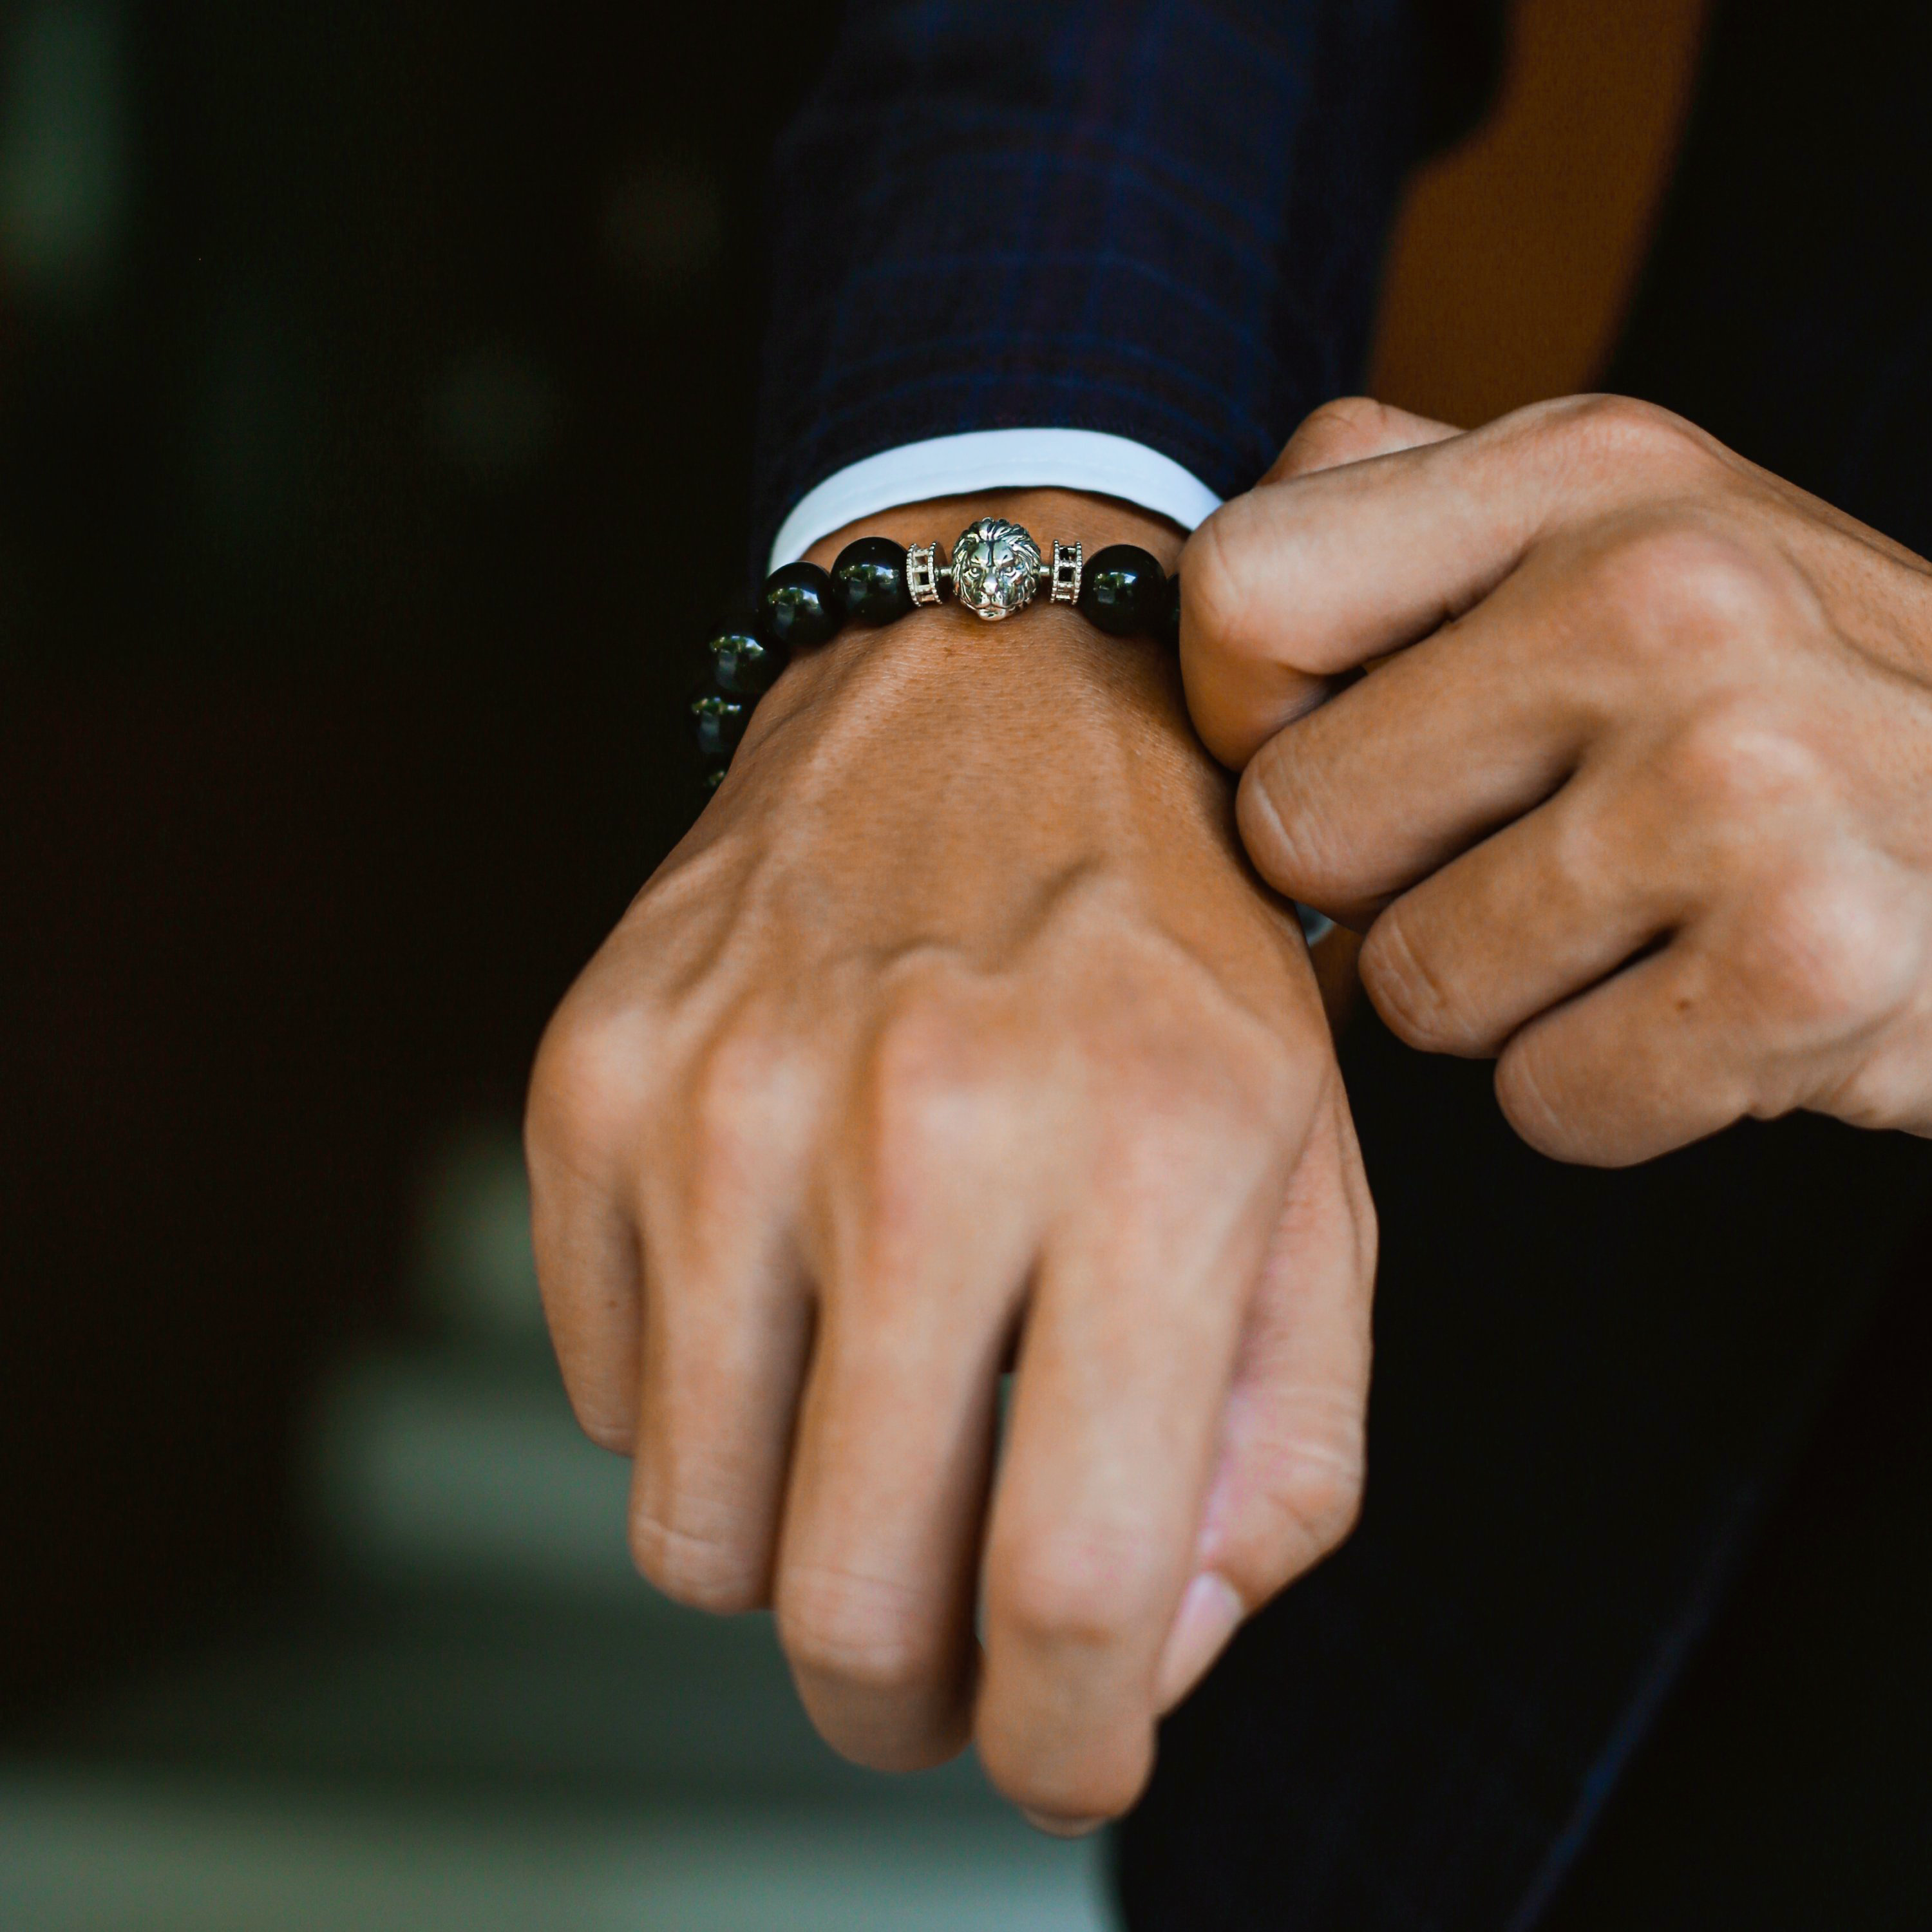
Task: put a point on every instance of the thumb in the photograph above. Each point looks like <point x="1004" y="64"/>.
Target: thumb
<point x="1288" y="1479"/>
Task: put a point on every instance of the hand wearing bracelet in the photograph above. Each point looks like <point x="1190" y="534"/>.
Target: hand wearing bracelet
<point x="994" y="569"/>
<point x="954" y="1035"/>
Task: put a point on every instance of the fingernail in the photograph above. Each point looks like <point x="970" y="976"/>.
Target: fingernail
<point x="1210" y="1614"/>
<point x="1060" y="1827"/>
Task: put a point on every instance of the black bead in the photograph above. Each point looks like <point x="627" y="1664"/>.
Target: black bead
<point x="1123" y="592"/>
<point x="870" y="577"/>
<point x="1170" y="624"/>
<point x="798" y="608"/>
<point x="741" y="662"/>
<point x="718" y="721"/>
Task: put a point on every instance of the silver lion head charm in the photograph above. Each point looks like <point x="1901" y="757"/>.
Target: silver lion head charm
<point x="995" y="568"/>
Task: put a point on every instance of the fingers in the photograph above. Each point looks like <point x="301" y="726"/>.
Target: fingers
<point x="1536" y="913"/>
<point x="932" y="1220"/>
<point x="1589" y="643"/>
<point x="1288" y="1478"/>
<point x="1128" y="1351"/>
<point x="727" y="1326"/>
<point x="580" y="1120"/>
<point x="1302" y="579"/>
<point x="875" y="1589"/>
<point x="717" y="1176"/>
<point x="1630" y="1070"/>
<point x="1227" y="693"/>
<point x="936" y="1185"/>
<point x="1347" y="807"/>
<point x="1770" y="999"/>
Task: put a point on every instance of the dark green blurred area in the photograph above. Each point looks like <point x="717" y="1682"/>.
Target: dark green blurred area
<point x="376" y="385"/>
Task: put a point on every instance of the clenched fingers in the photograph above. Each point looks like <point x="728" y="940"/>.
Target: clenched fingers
<point x="928" y="1221"/>
<point x="1238" y="695"/>
<point x="1317" y="575"/>
<point x="1128" y="1352"/>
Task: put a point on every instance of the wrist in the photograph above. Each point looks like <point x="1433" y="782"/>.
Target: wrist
<point x="1044" y="682"/>
<point x="986" y="668"/>
<point x="939" y="693"/>
<point x="995" y="568"/>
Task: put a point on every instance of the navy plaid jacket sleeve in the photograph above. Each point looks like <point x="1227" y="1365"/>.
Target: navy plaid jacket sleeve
<point x="1162" y="219"/>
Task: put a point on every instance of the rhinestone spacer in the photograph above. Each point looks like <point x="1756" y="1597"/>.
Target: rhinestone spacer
<point x="923" y="572"/>
<point x="1068" y="561"/>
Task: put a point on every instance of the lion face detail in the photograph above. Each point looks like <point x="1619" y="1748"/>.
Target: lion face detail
<point x="995" y="568"/>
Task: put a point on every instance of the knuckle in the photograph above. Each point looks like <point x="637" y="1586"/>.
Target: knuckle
<point x="1418" y="1000"/>
<point x="704" y="1568"/>
<point x="1291" y="829"/>
<point x="1346" y="415"/>
<point x="1821" y="956"/>
<point x="1884" y="1090"/>
<point x="1732" y="762"/>
<point x="934" y="1081"/>
<point x="1310" y="1485"/>
<point x="1101" y="1789"/>
<point x="1678" y="583"/>
<point x="1214" y="566"/>
<point x="1191" y="1061"/>
<point x="1622" y="431"/>
<point x="868" y="1632"/>
<point x="1315" y="1499"/>
<point x="730" y="1086"/>
<point x="1264" y="809"/>
<point x="1340" y="428"/>
<point x="1248" y="663"/>
<point x="1270" y="1090"/>
<point x="1067" y="1593"/>
<point x="602" y="1412"/>
<point x="1537" y="1104"/>
<point x="587" y="1086"/>
<point x="1203" y="1107"/>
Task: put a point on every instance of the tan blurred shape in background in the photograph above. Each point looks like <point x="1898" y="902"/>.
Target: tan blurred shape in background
<point x="1516" y="253"/>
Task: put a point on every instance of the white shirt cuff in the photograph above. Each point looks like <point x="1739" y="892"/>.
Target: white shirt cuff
<point x="996" y="459"/>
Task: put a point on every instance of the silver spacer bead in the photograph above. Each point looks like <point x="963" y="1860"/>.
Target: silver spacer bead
<point x="923" y="572"/>
<point x="1069" y="560"/>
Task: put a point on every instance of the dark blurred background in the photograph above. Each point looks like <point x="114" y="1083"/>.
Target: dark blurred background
<point x="374" y="396"/>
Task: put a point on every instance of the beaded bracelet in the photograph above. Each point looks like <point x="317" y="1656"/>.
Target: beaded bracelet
<point x="994" y="570"/>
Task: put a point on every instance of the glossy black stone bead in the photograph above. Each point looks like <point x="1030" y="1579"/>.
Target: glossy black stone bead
<point x="718" y="721"/>
<point x="1170" y="622"/>
<point x="798" y="607"/>
<point x="870" y="577"/>
<point x="1123" y="592"/>
<point x="741" y="662"/>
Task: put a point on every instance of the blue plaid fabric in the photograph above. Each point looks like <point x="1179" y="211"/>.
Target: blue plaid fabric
<point x="1162" y="219"/>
